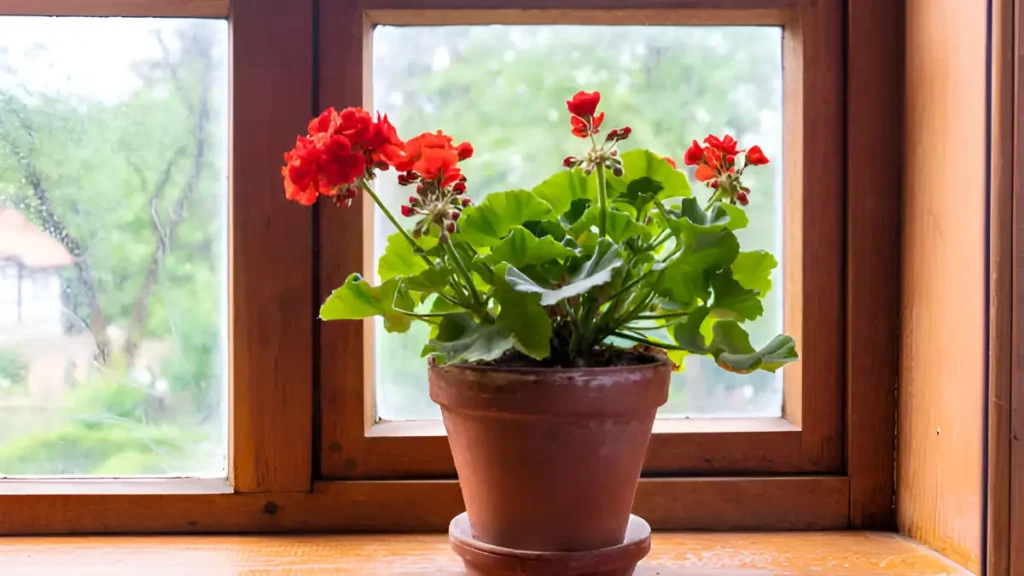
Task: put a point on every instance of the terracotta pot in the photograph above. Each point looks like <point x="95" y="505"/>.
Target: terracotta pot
<point x="549" y="459"/>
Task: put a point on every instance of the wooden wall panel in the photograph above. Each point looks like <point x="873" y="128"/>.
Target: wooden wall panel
<point x="943" y="305"/>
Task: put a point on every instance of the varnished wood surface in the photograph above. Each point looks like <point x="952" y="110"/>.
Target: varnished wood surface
<point x="796" y="503"/>
<point x="817" y="554"/>
<point x="874" y="79"/>
<point x="272" y="309"/>
<point x="1001" y="290"/>
<point x="941" y="429"/>
<point x="172" y="8"/>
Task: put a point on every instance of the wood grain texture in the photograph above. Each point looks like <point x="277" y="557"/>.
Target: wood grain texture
<point x="751" y="554"/>
<point x="351" y="450"/>
<point x="1001" y="298"/>
<point x="272" y="309"/>
<point x="154" y="8"/>
<point x="849" y="553"/>
<point x="1016" y="487"/>
<point x="809" y="503"/>
<point x="874" y="79"/>
<point x="941" y="431"/>
<point x="813" y="265"/>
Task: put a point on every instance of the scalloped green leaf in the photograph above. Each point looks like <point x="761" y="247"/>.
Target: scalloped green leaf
<point x="732" y="301"/>
<point x="489" y="222"/>
<point x="621" y="226"/>
<point x="399" y="258"/>
<point x="357" y="299"/>
<point x="754" y="270"/>
<point x="637" y="164"/>
<point x="687" y="334"/>
<point x="523" y="316"/>
<point x="560" y="190"/>
<point x="595" y="272"/>
<point x="732" y="350"/>
<point x="460" y="338"/>
<point x="521" y="248"/>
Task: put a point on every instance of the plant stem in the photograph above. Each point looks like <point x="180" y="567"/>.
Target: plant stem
<point x="415" y="247"/>
<point x="602" y="199"/>
<point x="662" y="345"/>
<point x="466" y="276"/>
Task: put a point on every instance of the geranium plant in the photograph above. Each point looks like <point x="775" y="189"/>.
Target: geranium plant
<point x="609" y="258"/>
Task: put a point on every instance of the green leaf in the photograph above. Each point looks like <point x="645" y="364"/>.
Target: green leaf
<point x="576" y="211"/>
<point x="356" y="300"/>
<point x="431" y="280"/>
<point x="521" y="248"/>
<point x="595" y="272"/>
<point x="489" y="222"/>
<point x="621" y="226"/>
<point x="732" y="301"/>
<point x="399" y="258"/>
<point x="560" y="190"/>
<point x="542" y="228"/>
<point x="754" y="270"/>
<point x="687" y="334"/>
<point x="685" y="278"/>
<point x="732" y="350"/>
<point x="640" y="193"/>
<point x="459" y="337"/>
<point x="690" y="219"/>
<point x="523" y="316"/>
<point x="639" y="164"/>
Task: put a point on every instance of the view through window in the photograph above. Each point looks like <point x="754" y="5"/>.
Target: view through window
<point x="113" y="221"/>
<point x="503" y="88"/>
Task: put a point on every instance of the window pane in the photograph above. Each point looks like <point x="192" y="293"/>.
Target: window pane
<point x="503" y="88"/>
<point x="113" y="220"/>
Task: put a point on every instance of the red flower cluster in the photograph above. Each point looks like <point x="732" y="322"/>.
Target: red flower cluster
<point x="716" y="165"/>
<point x="340" y="149"/>
<point x="583" y="107"/>
<point x="431" y="162"/>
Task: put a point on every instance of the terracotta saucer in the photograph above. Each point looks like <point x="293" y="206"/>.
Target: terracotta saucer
<point x="484" y="559"/>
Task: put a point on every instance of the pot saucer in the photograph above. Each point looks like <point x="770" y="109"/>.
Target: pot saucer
<point x="482" y="559"/>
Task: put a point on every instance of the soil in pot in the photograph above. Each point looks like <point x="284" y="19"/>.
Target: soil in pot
<point x="549" y="458"/>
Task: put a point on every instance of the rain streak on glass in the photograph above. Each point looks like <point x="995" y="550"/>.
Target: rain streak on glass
<point x="503" y="88"/>
<point x="113" y="239"/>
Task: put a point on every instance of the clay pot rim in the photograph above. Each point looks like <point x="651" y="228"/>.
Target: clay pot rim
<point x="655" y="363"/>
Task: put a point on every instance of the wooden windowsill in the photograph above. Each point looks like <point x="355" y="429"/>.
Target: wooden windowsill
<point x="810" y="553"/>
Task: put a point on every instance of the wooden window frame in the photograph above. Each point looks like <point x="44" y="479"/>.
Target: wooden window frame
<point x="826" y="465"/>
<point x="808" y="436"/>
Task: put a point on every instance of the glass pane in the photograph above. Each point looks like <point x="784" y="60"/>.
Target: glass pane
<point x="503" y="88"/>
<point x="113" y="239"/>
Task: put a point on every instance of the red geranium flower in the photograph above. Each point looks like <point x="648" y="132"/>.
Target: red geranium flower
<point x="584" y="104"/>
<point x="433" y="157"/>
<point x="756" y="157"/>
<point x="581" y="128"/>
<point x="341" y="148"/>
<point x="694" y="154"/>
<point x="725" y="145"/>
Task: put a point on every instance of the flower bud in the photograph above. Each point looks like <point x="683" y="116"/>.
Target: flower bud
<point x="614" y="153"/>
<point x="451" y="227"/>
<point x="569" y="162"/>
<point x="459" y="187"/>
<point x="413" y="200"/>
<point x="407" y="211"/>
<point x="466" y="201"/>
<point x="742" y="197"/>
<point x="454" y="215"/>
<point x="618" y="171"/>
<point x="714" y="184"/>
<point x="625" y="132"/>
<point x="613" y="135"/>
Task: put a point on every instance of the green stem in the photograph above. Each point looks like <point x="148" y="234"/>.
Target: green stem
<point x="661" y="316"/>
<point x="466" y="276"/>
<point x="662" y="345"/>
<point x="415" y="247"/>
<point x="602" y="199"/>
